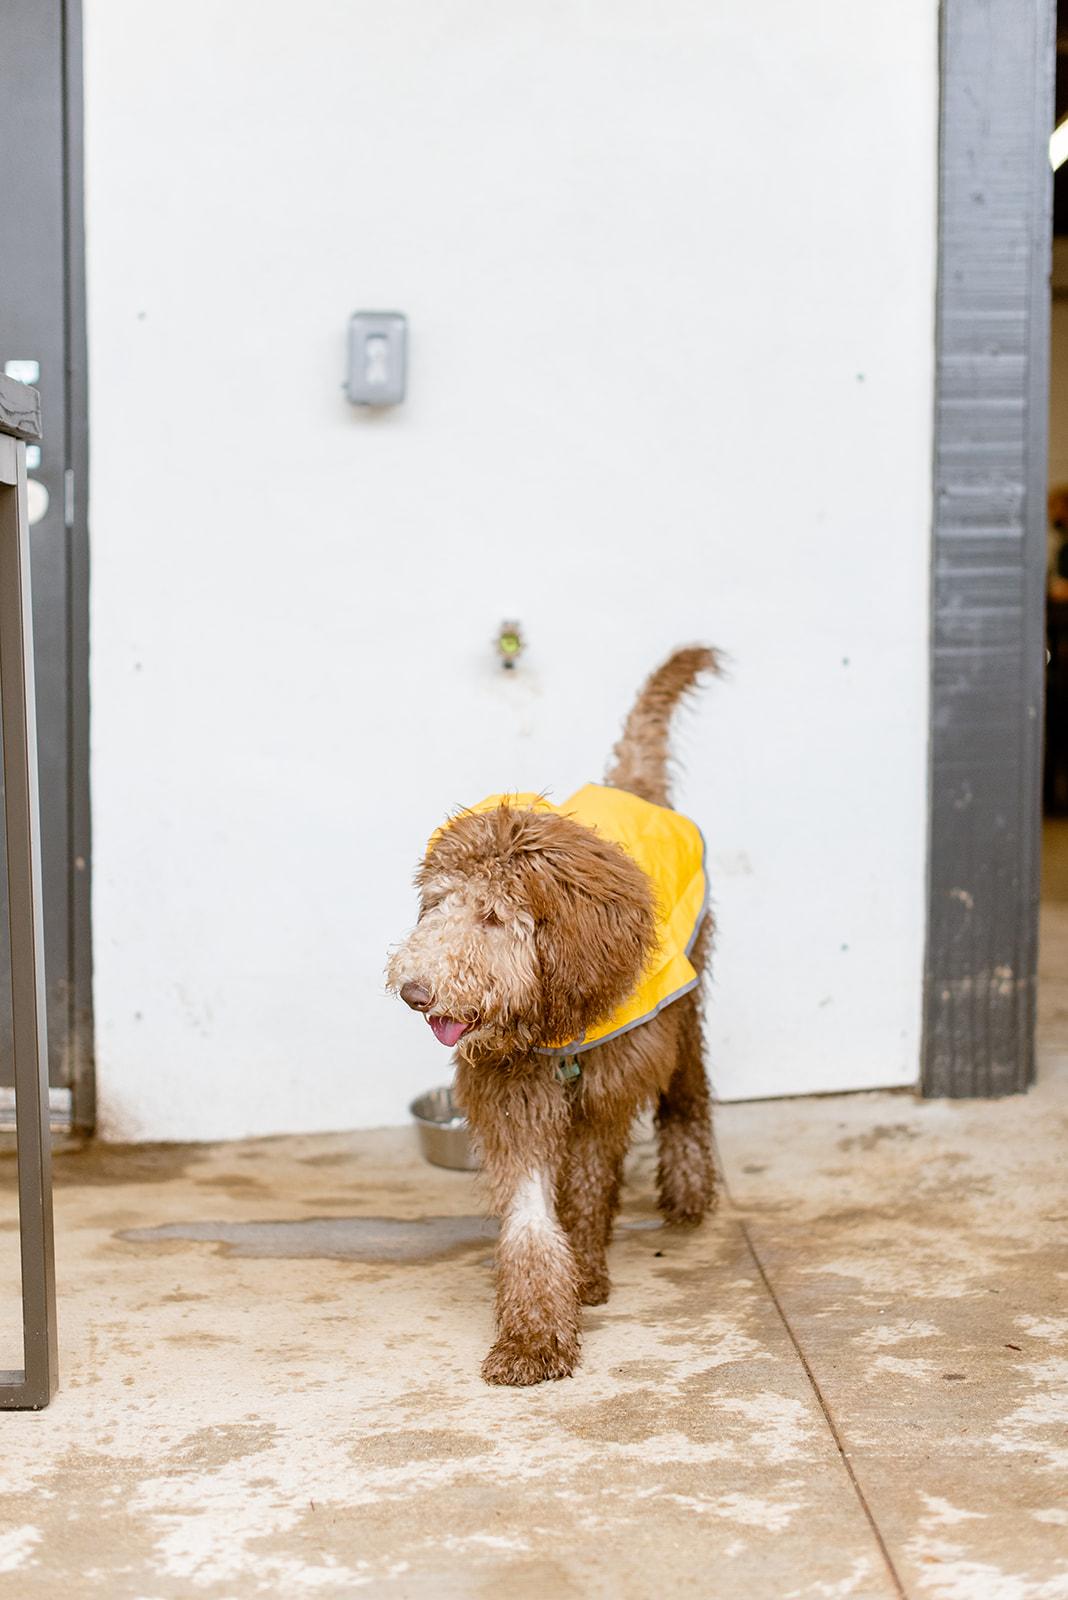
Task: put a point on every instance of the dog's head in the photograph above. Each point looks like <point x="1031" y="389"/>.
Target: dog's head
<point x="532" y="928"/>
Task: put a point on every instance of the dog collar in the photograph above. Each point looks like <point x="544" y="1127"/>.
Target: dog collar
<point x="568" y="1069"/>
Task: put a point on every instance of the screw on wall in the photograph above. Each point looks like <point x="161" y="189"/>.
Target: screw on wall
<point x="510" y="645"/>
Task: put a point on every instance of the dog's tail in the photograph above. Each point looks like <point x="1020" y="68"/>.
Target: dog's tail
<point x="640" y="761"/>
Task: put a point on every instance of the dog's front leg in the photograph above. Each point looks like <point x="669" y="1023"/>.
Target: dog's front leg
<point x="521" y="1123"/>
<point x="537" y="1290"/>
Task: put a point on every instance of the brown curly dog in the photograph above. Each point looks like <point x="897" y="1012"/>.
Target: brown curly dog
<point x="535" y="931"/>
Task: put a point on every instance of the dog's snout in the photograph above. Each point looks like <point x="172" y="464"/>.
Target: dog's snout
<point x="415" y="995"/>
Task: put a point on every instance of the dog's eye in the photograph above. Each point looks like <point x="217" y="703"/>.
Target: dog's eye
<point x="490" y="919"/>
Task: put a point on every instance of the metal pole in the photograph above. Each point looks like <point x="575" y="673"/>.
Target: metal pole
<point x="35" y="1386"/>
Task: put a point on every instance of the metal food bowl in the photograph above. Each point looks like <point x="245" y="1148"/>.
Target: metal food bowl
<point x="443" y="1135"/>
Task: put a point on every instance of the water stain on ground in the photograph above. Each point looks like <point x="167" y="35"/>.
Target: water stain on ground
<point x="200" y="1339"/>
<point x="706" y="1409"/>
<point x="92" y="1165"/>
<point x="370" y="1239"/>
<point x="410" y="1445"/>
<point x="878" y="1135"/>
<point x="229" y="1180"/>
<point x="364" y="1239"/>
<point x="213" y="1447"/>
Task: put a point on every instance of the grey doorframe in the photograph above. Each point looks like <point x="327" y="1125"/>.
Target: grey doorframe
<point x="988" y="545"/>
<point x="42" y="321"/>
<point x="32" y="1386"/>
<point x="82" y="1071"/>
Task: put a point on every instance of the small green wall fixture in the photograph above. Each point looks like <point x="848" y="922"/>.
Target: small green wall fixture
<point x="510" y="644"/>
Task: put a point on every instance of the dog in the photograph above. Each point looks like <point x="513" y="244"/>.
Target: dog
<point x="560" y="950"/>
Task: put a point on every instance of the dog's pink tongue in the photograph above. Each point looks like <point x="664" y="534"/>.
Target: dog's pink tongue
<point x="448" y="1031"/>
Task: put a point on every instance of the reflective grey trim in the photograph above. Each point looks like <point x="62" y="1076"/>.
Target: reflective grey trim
<point x="577" y="1046"/>
<point x="708" y="894"/>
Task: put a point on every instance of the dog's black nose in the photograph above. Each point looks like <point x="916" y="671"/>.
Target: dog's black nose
<point x="414" y="995"/>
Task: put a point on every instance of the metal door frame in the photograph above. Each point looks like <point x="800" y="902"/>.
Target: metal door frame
<point x="988" y="546"/>
<point x="74" y="1104"/>
<point x="80" y="932"/>
<point x="32" y="1386"/>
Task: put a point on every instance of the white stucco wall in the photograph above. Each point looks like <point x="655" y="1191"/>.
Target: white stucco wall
<point x="670" y="275"/>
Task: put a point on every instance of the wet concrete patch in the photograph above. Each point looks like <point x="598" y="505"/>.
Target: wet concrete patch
<point x="367" y="1239"/>
<point x="84" y="1163"/>
<point x="209" y="1448"/>
<point x="706" y="1410"/>
<point x="229" y="1181"/>
<point x="408" y="1445"/>
<point x="371" y="1239"/>
<point x="880" y="1134"/>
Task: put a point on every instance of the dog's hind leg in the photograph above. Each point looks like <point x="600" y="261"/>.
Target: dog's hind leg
<point x="686" y="1173"/>
<point x="588" y="1198"/>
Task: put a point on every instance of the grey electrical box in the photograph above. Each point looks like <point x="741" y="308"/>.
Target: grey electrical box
<point x="378" y="358"/>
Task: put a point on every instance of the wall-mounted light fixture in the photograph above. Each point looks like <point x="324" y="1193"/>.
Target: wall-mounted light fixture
<point x="378" y="358"/>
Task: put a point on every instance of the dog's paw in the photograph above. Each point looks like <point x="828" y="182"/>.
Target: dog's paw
<point x="594" y="1286"/>
<point x="685" y="1199"/>
<point x="689" y="1210"/>
<point x="686" y="1175"/>
<point x="515" y="1361"/>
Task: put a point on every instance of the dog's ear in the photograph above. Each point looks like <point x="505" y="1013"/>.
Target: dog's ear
<point x="594" y="927"/>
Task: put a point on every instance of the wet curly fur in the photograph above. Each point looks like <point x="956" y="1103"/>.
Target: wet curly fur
<point x="532" y="928"/>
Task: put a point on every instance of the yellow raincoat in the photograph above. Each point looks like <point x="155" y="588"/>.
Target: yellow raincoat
<point x="671" y="852"/>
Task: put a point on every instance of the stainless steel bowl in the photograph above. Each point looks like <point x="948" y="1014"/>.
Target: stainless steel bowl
<point x="443" y="1134"/>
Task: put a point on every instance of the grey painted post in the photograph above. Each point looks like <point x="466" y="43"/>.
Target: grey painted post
<point x="987" y="646"/>
<point x="35" y="1385"/>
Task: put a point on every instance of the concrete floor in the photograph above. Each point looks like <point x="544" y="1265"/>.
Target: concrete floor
<point x="853" y="1382"/>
